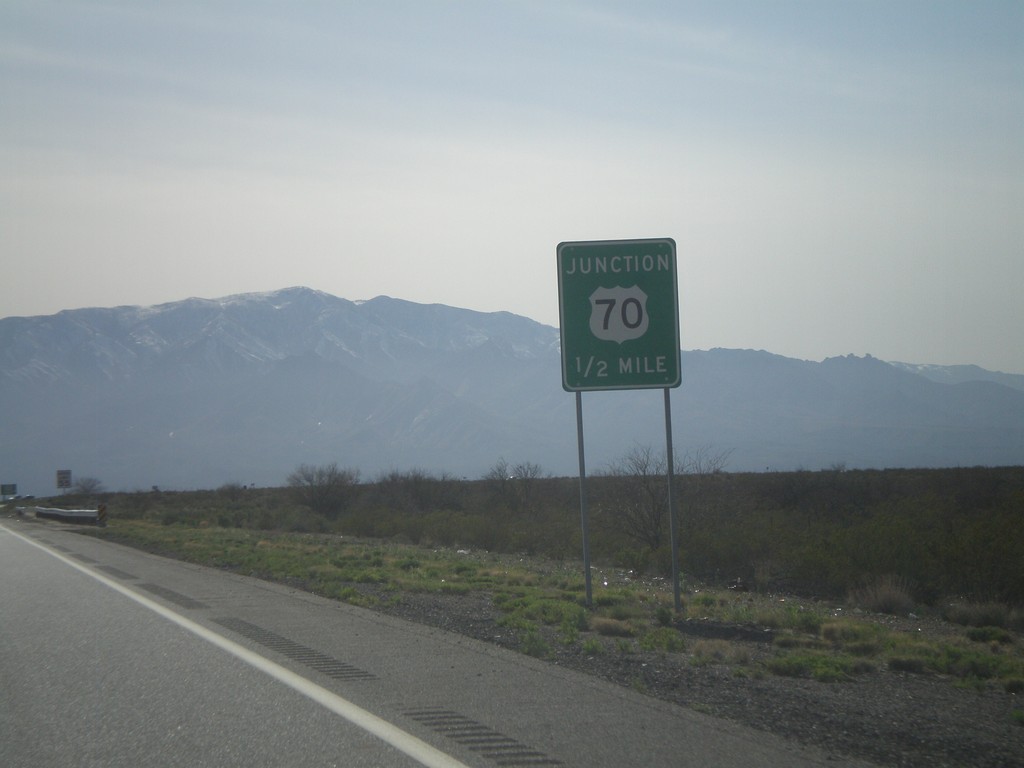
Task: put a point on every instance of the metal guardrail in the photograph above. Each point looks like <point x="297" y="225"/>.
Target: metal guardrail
<point x="81" y="516"/>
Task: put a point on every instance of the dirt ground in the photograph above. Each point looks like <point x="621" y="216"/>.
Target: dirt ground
<point x="890" y="718"/>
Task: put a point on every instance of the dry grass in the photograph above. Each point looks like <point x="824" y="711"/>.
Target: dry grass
<point x="611" y="627"/>
<point x="889" y="593"/>
<point x="719" y="652"/>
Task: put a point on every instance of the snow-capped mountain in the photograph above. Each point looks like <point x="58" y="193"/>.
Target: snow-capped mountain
<point x="243" y="389"/>
<point x="961" y="374"/>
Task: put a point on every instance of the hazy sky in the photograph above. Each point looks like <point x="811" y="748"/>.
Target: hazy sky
<point x="839" y="176"/>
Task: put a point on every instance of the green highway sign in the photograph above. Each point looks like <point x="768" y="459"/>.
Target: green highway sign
<point x="619" y="314"/>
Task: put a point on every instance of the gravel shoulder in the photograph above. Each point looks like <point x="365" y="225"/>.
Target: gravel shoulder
<point x="890" y="718"/>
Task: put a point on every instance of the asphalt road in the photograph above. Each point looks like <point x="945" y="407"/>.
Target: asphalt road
<point x="113" y="657"/>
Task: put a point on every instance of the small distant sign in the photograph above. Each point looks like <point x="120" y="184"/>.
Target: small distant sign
<point x="8" y="489"/>
<point x="63" y="478"/>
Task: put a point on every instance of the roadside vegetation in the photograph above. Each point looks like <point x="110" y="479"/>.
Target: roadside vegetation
<point x="821" y="574"/>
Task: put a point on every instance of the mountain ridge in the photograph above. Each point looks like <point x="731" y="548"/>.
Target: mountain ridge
<point x="201" y="392"/>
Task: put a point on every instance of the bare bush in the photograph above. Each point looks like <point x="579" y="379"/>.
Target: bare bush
<point x="704" y="460"/>
<point x="325" y="489"/>
<point x="635" y="496"/>
<point x="89" y="486"/>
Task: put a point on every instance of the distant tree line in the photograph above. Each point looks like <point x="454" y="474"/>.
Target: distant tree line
<point x="945" y="533"/>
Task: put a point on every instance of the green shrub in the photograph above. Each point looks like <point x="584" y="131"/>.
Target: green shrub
<point x="804" y="620"/>
<point x="989" y="635"/>
<point x="788" y="617"/>
<point x="958" y="660"/>
<point x="970" y="663"/>
<point x="534" y="645"/>
<point x="551" y="611"/>
<point x="569" y="632"/>
<point x="856" y="638"/>
<point x="513" y="621"/>
<point x="825" y="668"/>
<point x="663" y="639"/>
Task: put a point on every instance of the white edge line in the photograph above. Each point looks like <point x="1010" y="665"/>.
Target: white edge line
<point x="391" y="734"/>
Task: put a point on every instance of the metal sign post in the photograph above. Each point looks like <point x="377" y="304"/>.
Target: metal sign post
<point x="584" y="520"/>
<point x="619" y="323"/>
<point x="673" y="531"/>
